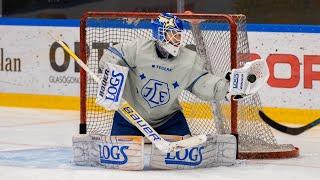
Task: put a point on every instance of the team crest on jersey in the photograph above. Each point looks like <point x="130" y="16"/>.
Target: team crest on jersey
<point x="156" y="93"/>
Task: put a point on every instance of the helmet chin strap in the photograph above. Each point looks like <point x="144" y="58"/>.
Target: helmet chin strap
<point x="163" y="52"/>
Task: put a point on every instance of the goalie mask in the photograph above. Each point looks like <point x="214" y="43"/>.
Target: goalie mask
<point x="168" y="31"/>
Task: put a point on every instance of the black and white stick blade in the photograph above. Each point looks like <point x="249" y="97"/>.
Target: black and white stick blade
<point x="286" y="129"/>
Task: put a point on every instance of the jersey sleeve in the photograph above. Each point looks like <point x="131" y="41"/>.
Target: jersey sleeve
<point x="206" y="85"/>
<point x="121" y="54"/>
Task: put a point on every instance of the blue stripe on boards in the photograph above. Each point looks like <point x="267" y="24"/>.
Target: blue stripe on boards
<point x="283" y="28"/>
<point x="146" y="25"/>
<point x="40" y="22"/>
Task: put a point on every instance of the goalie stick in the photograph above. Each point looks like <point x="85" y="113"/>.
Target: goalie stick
<point x="286" y="129"/>
<point x="136" y="119"/>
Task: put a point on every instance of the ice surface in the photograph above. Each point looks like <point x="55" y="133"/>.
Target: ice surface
<point x="36" y="144"/>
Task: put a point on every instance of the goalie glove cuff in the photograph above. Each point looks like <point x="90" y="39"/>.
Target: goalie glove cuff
<point x="221" y="89"/>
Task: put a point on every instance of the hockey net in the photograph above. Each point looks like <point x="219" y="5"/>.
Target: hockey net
<point x="219" y="39"/>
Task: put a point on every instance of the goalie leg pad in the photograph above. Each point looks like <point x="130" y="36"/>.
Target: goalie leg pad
<point x="113" y="152"/>
<point x="219" y="150"/>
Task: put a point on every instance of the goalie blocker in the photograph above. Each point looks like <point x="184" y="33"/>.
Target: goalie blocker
<point x="127" y="152"/>
<point x="111" y="86"/>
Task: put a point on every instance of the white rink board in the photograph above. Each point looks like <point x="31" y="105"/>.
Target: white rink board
<point x="288" y="44"/>
<point x="31" y="45"/>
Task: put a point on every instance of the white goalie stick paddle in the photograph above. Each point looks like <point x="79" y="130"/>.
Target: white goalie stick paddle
<point x="135" y="117"/>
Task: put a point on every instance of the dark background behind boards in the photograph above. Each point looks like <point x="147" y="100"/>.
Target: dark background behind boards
<point x="257" y="11"/>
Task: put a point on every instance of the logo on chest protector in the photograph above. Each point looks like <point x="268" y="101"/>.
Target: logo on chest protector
<point x="188" y="157"/>
<point x="156" y="93"/>
<point x="113" y="154"/>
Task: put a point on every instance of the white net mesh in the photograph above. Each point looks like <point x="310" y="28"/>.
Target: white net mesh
<point x="211" y="39"/>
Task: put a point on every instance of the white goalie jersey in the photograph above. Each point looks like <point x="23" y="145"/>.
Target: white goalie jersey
<point x="154" y="84"/>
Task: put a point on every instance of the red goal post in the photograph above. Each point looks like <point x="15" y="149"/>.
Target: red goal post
<point x="224" y="43"/>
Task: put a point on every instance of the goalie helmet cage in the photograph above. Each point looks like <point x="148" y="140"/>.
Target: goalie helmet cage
<point x="219" y="39"/>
